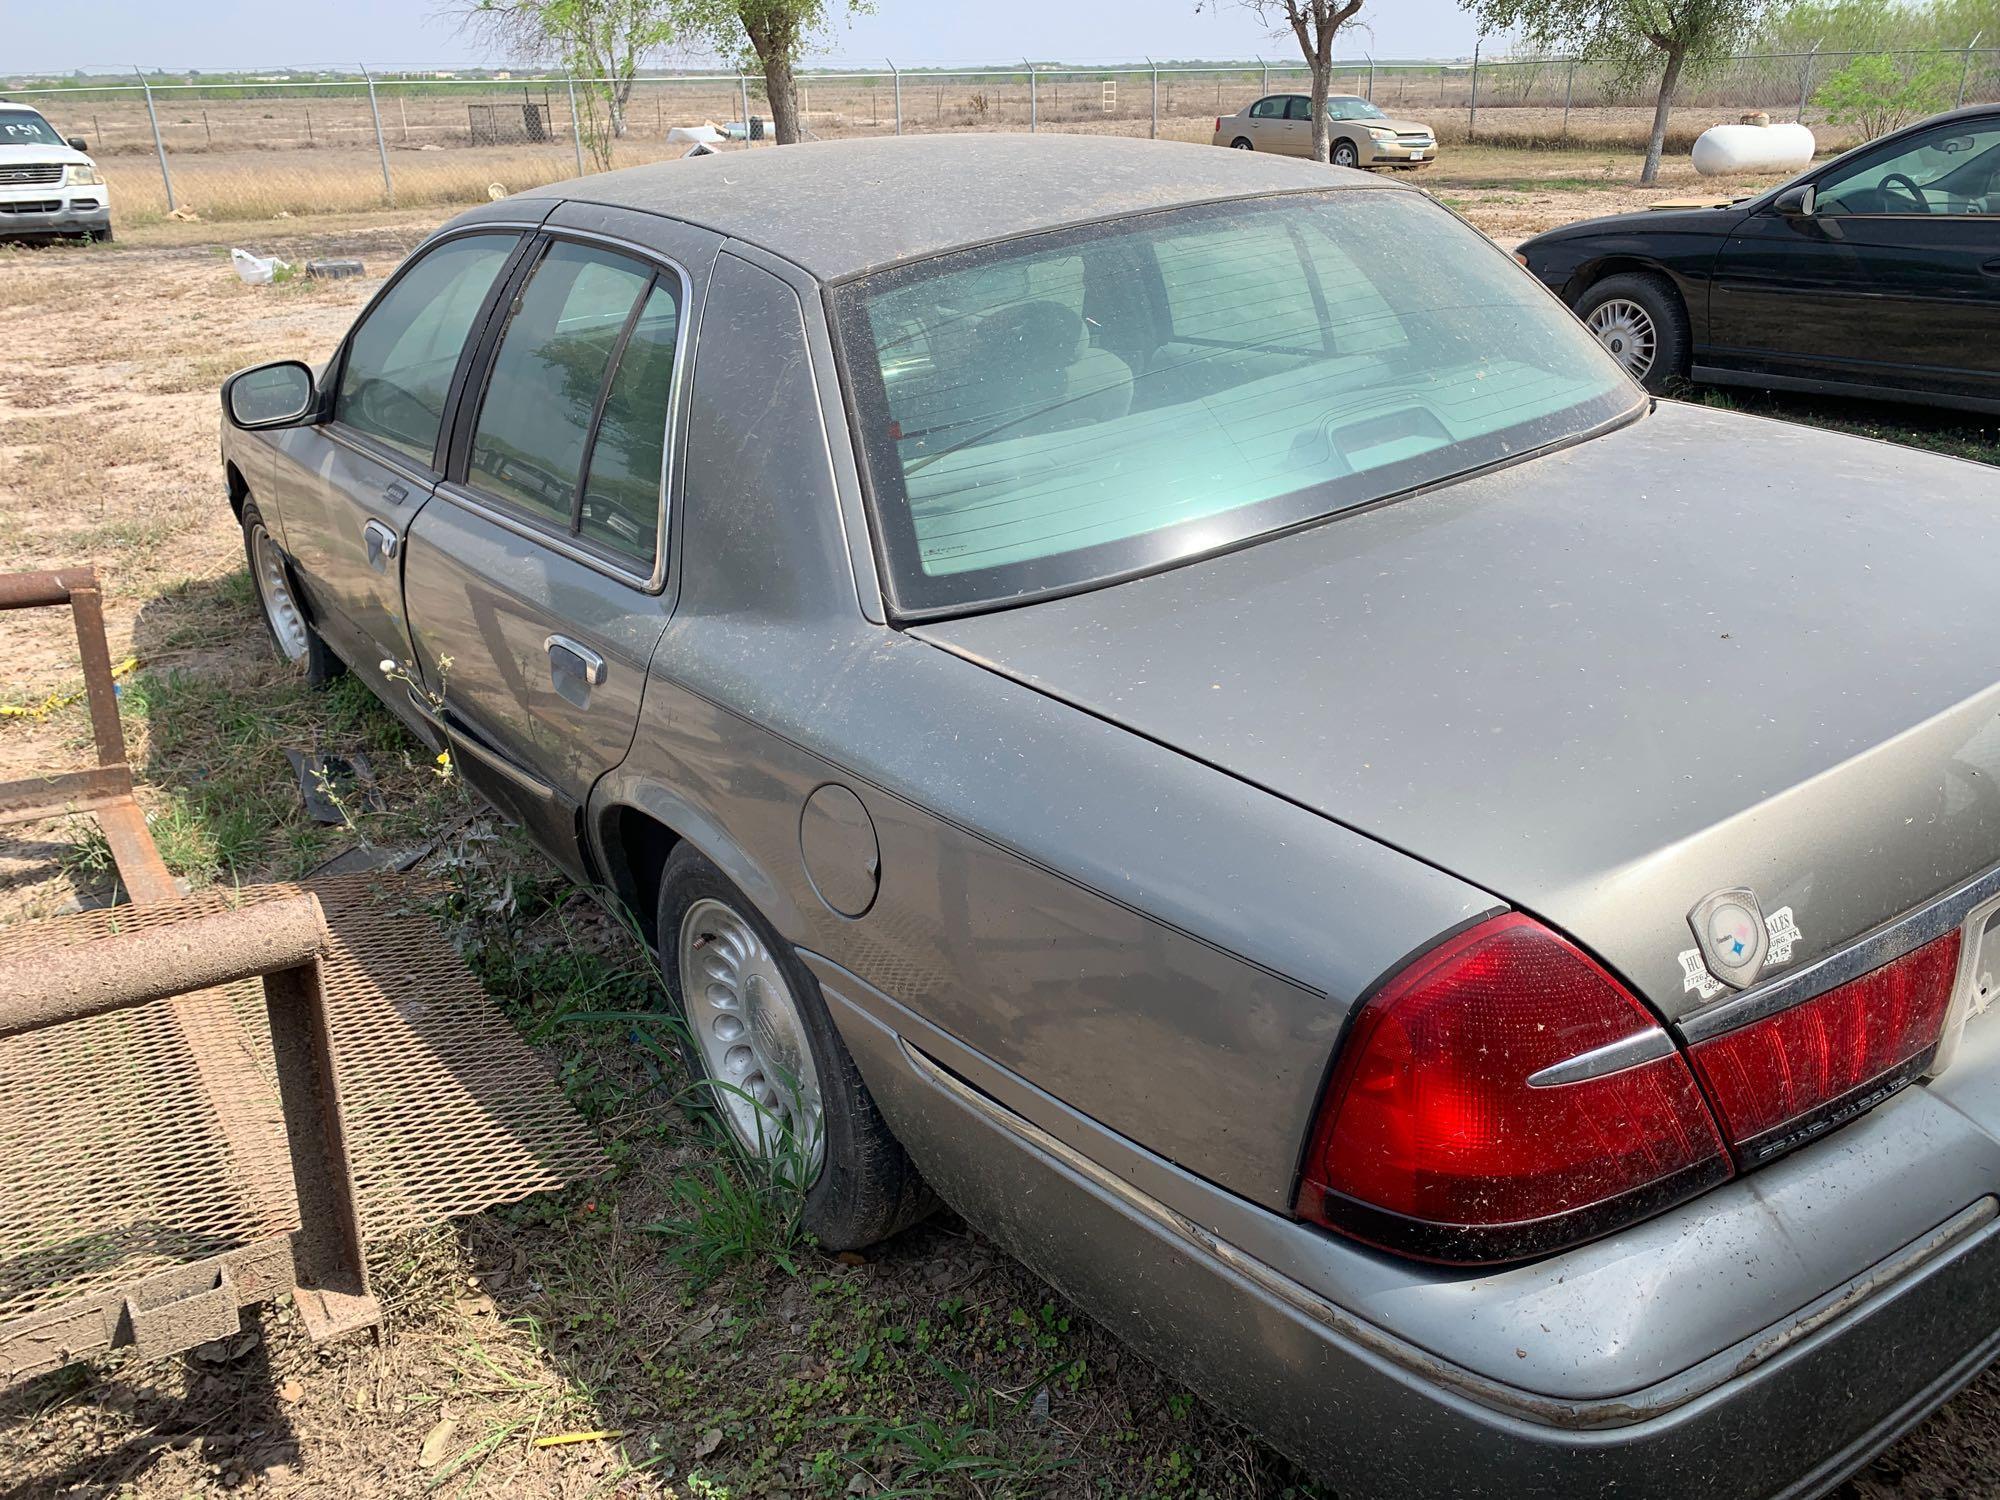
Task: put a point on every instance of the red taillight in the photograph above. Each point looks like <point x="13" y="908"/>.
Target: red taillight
<point x="1432" y="1140"/>
<point x="1218" y="124"/>
<point x="1780" y="1081"/>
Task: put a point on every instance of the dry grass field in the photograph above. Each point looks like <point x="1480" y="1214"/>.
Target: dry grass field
<point x="673" y="1305"/>
<point x="254" y="157"/>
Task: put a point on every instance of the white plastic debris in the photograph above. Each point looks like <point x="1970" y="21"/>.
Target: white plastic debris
<point x="696" y="135"/>
<point x="1725" y="149"/>
<point x="255" y="270"/>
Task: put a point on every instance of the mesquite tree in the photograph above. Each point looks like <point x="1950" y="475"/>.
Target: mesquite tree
<point x="1633" y="36"/>
<point x="777" y="32"/>
<point x="1313" y="25"/>
<point x="600" y="43"/>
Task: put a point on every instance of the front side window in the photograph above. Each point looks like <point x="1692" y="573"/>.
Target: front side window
<point x="1075" y="407"/>
<point x="23" y="127"/>
<point x="403" y="354"/>
<point x="1953" y="170"/>
<point x="572" y="428"/>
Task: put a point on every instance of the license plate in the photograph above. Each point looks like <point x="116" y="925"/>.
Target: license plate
<point x="1416" y="156"/>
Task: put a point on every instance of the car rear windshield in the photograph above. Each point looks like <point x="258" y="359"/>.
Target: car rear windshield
<point x="1072" y="408"/>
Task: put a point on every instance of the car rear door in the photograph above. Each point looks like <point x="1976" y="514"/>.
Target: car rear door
<point x="346" y="489"/>
<point x="1894" y="286"/>
<point x="539" y="580"/>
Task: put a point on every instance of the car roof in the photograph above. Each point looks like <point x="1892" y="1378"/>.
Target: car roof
<point x="842" y="208"/>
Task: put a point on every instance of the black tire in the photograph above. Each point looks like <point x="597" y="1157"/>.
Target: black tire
<point x="868" y="1188"/>
<point x="311" y="653"/>
<point x="1344" y="154"/>
<point x="1243" y="143"/>
<point x="1660" y="303"/>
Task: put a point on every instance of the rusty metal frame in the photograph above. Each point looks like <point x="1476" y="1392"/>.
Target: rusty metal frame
<point x="104" y="789"/>
<point x="282" y="943"/>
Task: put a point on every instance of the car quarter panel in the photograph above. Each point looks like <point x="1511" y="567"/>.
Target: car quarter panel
<point x="1158" y="945"/>
<point x="1788" y="1410"/>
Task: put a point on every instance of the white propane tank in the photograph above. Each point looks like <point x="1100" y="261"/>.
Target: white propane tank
<point x="1723" y="150"/>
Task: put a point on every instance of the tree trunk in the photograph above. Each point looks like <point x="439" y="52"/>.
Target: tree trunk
<point x="774" y="51"/>
<point x="1657" y="141"/>
<point x="1322" y="85"/>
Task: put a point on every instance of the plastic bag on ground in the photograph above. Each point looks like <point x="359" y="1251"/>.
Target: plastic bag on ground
<point x="256" y="270"/>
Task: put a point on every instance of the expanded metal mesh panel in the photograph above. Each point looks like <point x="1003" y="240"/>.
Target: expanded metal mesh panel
<point x="152" y="1136"/>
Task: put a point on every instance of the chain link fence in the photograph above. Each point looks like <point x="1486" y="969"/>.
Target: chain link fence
<point x="265" y="149"/>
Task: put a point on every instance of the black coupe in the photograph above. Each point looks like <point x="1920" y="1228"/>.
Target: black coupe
<point x="1874" y="274"/>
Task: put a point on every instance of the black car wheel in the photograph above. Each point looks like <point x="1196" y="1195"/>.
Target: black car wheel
<point x="1640" y="320"/>
<point x="757" y="1032"/>
<point x="278" y="601"/>
<point x="1344" y="154"/>
<point x="1241" y="143"/>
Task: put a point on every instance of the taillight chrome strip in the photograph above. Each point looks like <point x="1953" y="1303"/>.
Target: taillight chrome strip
<point x="1885" y="944"/>
<point x="1600" y="1062"/>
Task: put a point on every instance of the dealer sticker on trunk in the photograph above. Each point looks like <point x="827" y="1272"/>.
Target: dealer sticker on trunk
<point x="1735" y="942"/>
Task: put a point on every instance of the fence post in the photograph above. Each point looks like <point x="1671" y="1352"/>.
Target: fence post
<point x="159" y="146"/>
<point x="1034" y="101"/>
<point x="1805" y="81"/>
<point x="1156" y="97"/>
<point x="575" y="126"/>
<point x="743" y="95"/>
<point x="1472" y="114"/>
<point x="1965" y="66"/>
<point x="1569" y="88"/>
<point x="381" y="146"/>
<point x="899" y="95"/>
<point x="1267" y="75"/>
<point x="1371" y="75"/>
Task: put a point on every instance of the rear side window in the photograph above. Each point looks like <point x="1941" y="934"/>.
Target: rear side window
<point x="402" y="356"/>
<point x="621" y="496"/>
<point x="1272" y="108"/>
<point x="572" y="428"/>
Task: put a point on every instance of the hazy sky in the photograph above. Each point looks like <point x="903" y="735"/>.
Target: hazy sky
<point x="52" y="36"/>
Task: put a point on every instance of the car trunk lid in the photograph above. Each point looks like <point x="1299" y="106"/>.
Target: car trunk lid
<point x="1700" y="652"/>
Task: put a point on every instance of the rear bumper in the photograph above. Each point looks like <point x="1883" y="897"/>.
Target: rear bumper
<point x="56" y="210"/>
<point x="1788" y="1409"/>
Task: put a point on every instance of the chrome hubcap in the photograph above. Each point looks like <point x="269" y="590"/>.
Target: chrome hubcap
<point x="750" y="1034"/>
<point x="1626" y="329"/>
<point x="288" y="623"/>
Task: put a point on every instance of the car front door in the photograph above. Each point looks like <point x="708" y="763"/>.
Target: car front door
<point x="538" y="581"/>
<point x="347" y="488"/>
<point x="1891" y="281"/>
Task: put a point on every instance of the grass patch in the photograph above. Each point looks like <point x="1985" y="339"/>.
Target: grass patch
<point x="1957" y="434"/>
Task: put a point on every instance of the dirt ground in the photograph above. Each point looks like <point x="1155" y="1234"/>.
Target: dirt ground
<point x="669" y="1310"/>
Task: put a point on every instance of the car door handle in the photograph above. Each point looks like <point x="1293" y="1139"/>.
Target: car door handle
<point x="573" y="669"/>
<point x="383" y="544"/>
<point x="1991" y="267"/>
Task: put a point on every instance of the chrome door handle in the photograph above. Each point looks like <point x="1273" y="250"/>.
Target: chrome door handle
<point x="573" y="669"/>
<point x="383" y="545"/>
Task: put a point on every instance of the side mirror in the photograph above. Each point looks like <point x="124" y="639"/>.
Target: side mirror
<point x="1795" y="202"/>
<point x="274" y="395"/>
<point x="78" y="143"/>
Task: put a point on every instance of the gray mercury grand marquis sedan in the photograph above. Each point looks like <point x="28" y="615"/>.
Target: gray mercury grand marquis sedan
<point x="1179" y="700"/>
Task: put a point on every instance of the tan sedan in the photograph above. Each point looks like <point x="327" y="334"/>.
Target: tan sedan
<point x="1362" y="136"/>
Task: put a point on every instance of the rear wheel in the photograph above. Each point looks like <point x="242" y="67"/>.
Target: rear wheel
<point x="278" y="600"/>
<point x="1642" y="323"/>
<point x="1242" y="143"/>
<point x="1344" y="154"/>
<point x="758" y="1034"/>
